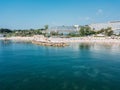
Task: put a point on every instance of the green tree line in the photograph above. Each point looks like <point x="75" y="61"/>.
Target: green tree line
<point x="84" y="31"/>
<point x="87" y="31"/>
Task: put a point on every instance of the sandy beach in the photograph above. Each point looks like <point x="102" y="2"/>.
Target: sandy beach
<point x="86" y="39"/>
<point x="17" y="38"/>
<point x="66" y="40"/>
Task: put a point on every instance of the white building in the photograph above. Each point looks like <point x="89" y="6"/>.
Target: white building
<point x="1" y="35"/>
<point x="115" y="25"/>
<point x="65" y="29"/>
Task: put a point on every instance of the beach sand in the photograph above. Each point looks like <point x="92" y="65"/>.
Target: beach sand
<point x="66" y="40"/>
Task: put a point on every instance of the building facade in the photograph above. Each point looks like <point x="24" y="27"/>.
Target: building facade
<point x="64" y="29"/>
<point x="115" y="25"/>
<point x="1" y="35"/>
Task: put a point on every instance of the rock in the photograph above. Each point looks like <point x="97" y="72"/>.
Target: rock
<point x="61" y="44"/>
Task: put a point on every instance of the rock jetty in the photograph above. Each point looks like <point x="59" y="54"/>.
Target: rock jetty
<point x="41" y="40"/>
<point x="55" y="44"/>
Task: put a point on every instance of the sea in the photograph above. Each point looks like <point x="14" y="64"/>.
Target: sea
<point x="79" y="66"/>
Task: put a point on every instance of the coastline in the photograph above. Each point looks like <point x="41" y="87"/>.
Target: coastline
<point x="87" y="39"/>
<point x="17" y="38"/>
<point x="53" y="40"/>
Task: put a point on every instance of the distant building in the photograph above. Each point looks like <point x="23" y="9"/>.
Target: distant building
<point x="117" y="32"/>
<point x="64" y="29"/>
<point x="115" y="25"/>
<point x="1" y="35"/>
<point x="77" y="27"/>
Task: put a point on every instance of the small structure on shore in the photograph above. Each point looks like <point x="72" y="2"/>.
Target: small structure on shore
<point x="50" y="44"/>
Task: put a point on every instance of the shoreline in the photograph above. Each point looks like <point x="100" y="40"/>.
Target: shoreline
<point x="18" y="38"/>
<point x="86" y="39"/>
<point x="39" y="39"/>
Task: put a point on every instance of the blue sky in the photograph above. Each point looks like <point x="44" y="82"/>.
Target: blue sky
<point x="26" y="14"/>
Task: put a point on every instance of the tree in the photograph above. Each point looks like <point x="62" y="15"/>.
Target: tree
<point x="100" y="31"/>
<point x="82" y="31"/>
<point x="53" y="33"/>
<point x="110" y="33"/>
<point x="46" y="27"/>
<point x="85" y="31"/>
<point x="107" y="32"/>
<point x="2" y="30"/>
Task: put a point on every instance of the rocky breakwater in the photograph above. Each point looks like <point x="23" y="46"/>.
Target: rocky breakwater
<point x="41" y="40"/>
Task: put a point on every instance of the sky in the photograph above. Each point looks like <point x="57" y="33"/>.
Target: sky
<point x="27" y="14"/>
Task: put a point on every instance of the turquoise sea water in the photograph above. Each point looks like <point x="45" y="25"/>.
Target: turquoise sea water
<point x="24" y="66"/>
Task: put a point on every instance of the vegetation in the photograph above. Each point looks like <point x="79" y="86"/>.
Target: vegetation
<point x="4" y="31"/>
<point x="30" y="32"/>
<point x="87" y="31"/>
<point x="107" y="32"/>
<point x="73" y="35"/>
<point x="53" y="33"/>
<point x="84" y="31"/>
<point x="46" y="27"/>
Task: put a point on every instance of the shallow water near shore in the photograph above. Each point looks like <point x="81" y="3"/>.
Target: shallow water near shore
<point x="80" y="66"/>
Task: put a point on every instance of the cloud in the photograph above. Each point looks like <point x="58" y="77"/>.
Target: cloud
<point x="99" y="12"/>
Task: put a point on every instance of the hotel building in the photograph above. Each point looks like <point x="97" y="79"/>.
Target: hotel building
<point x="65" y="29"/>
<point x="115" y="25"/>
